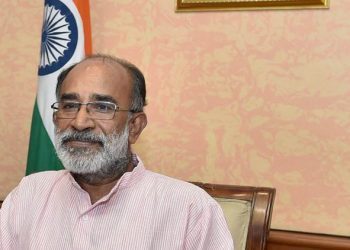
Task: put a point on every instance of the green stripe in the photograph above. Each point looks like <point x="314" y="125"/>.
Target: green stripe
<point x="41" y="153"/>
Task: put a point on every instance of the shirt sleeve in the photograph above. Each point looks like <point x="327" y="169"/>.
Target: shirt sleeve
<point x="13" y="213"/>
<point x="207" y="229"/>
<point x="7" y="234"/>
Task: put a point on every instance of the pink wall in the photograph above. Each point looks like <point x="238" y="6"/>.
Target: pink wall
<point x="251" y="98"/>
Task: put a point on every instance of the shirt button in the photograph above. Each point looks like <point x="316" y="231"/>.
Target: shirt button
<point x="85" y="218"/>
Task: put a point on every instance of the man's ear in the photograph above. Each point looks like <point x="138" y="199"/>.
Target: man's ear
<point x="136" y="124"/>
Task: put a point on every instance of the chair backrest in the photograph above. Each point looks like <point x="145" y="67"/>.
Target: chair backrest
<point x="247" y="210"/>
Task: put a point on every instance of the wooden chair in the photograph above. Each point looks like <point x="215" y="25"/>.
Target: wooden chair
<point x="247" y="210"/>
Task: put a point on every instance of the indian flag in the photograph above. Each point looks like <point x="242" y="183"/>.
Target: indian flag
<point x="65" y="40"/>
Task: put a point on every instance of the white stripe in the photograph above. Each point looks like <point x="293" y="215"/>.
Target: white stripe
<point x="47" y="84"/>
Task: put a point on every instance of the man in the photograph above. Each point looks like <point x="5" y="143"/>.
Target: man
<point x="105" y="199"/>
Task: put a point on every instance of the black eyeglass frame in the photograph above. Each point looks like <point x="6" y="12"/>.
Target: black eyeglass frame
<point x="116" y="109"/>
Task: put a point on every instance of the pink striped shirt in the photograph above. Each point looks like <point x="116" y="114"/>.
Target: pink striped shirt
<point x="145" y="210"/>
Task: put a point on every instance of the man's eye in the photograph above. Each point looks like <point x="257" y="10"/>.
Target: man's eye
<point x="103" y="107"/>
<point x="69" y="106"/>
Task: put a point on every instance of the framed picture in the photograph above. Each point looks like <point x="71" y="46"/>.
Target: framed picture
<point x="209" y="5"/>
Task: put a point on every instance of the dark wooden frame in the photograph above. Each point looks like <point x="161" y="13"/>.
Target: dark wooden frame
<point x="208" y="5"/>
<point x="289" y="240"/>
<point x="261" y="198"/>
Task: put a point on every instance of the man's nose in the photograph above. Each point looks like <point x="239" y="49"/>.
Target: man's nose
<point x="83" y="121"/>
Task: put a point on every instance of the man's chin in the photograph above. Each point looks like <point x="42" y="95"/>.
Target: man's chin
<point x="83" y="144"/>
<point x="92" y="171"/>
<point x="80" y="169"/>
<point x="83" y="151"/>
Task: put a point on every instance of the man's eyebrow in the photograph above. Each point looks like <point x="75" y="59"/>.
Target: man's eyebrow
<point x="103" y="98"/>
<point x="69" y="96"/>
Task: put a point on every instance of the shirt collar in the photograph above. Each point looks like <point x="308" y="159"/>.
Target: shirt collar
<point x="128" y="179"/>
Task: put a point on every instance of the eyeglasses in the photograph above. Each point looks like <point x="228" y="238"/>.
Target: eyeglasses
<point x="97" y="110"/>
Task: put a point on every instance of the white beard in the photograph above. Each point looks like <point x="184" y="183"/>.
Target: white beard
<point x="93" y="164"/>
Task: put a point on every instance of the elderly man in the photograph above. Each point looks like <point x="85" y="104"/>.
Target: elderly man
<point x="105" y="198"/>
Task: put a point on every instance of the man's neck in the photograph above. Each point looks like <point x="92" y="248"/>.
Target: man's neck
<point x="97" y="190"/>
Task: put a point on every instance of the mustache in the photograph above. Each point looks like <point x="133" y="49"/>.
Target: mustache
<point x="84" y="136"/>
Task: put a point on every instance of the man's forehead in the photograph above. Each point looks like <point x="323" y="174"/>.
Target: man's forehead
<point x="102" y="64"/>
<point x="96" y="79"/>
<point x="99" y="70"/>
